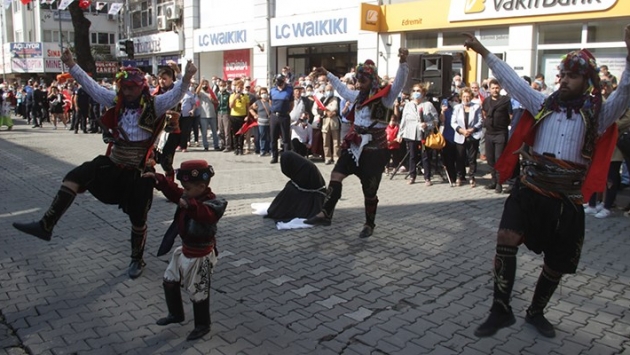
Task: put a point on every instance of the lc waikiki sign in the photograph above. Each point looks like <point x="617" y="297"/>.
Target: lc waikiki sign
<point x="467" y="10"/>
<point x="221" y="38"/>
<point x="334" y="26"/>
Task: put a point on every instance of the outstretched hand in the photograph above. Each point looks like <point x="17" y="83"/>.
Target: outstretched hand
<point x="473" y="43"/>
<point x="403" y="53"/>
<point x="319" y="71"/>
<point x="190" y="70"/>
<point x="67" y="59"/>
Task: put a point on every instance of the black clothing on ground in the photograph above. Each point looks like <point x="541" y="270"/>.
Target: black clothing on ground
<point x="303" y="196"/>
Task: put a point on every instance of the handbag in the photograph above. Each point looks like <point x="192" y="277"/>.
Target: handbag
<point x="435" y="140"/>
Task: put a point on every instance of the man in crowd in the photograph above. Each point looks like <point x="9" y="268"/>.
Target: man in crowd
<point x="281" y="96"/>
<point x="497" y="112"/>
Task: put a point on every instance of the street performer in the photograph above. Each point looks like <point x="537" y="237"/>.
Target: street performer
<point x="133" y="123"/>
<point x="565" y="141"/>
<point x="365" y="151"/>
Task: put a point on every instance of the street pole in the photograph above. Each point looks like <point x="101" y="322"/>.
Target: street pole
<point x="2" y="23"/>
<point x="63" y="67"/>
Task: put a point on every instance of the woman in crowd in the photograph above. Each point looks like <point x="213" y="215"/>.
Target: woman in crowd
<point x="207" y="114"/>
<point x="55" y="99"/>
<point x="419" y="118"/>
<point x="261" y="111"/>
<point x="467" y="123"/>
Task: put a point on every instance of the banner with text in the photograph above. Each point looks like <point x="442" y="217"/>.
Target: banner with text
<point x="222" y="38"/>
<point x="329" y="27"/>
<point x="236" y="63"/>
<point x="27" y="65"/>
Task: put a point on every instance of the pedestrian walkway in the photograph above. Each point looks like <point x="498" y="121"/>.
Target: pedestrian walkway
<point x="420" y="285"/>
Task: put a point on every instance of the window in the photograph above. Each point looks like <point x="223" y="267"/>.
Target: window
<point x="141" y="15"/>
<point x="102" y="38"/>
<point x="605" y="31"/>
<point x="494" y="36"/>
<point x="455" y="38"/>
<point x="560" y="33"/>
<point x="421" y="40"/>
<point x="16" y="6"/>
<point x="47" y="36"/>
<point x="19" y="36"/>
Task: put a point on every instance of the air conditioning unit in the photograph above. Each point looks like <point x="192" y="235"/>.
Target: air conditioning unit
<point x="162" y="23"/>
<point x="172" y="12"/>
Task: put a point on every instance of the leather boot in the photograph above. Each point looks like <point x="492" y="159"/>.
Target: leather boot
<point x="202" y="319"/>
<point x="137" y="250"/>
<point x="43" y="228"/>
<point x="173" y="297"/>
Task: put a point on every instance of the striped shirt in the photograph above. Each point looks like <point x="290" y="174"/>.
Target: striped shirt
<point x="556" y="134"/>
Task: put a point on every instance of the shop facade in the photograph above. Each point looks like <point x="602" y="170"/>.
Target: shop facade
<point x="530" y="35"/>
<point x="328" y="39"/>
<point x="152" y="52"/>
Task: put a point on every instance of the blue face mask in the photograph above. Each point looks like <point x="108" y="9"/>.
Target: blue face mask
<point x="416" y="95"/>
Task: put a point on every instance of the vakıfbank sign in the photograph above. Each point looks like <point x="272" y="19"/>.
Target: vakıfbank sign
<point x="467" y="10"/>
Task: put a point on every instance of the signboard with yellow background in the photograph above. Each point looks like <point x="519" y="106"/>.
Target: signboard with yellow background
<point x="443" y="14"/>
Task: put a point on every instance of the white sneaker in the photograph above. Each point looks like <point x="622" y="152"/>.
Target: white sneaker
<point x="590" y="210"/>
<point x="600" y="206"/>
<point x="603" y="213"/>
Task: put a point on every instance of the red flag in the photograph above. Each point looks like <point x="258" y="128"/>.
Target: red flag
<point x="25" y="2"/>
<point x="246" y="127"/>
<point x="252" y="86"/>
<point x="320" y="105"/>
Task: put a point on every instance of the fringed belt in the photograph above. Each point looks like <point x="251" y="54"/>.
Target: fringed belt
<point x="552" y="177"/>
<point x="129" y="154"/>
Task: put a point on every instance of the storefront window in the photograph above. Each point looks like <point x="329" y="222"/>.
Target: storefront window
<point x="492" y="37"/>
<point x="426" y="39"/>
<point x="454" y="38"/>
<point x="605" y="31"/>
<point x="560" y="33"/>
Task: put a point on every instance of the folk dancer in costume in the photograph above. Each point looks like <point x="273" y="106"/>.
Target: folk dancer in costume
<point x="566" y="141"/>
<point x="132" y="125"/>
<point x="192" y="264"/>
<point x="365" y="151"/>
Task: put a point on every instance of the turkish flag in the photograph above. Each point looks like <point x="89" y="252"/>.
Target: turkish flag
<point x="25" y="2"/>
<point x="320" y="105"/>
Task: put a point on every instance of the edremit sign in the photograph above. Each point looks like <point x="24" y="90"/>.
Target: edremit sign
<point x="468" y="10"/>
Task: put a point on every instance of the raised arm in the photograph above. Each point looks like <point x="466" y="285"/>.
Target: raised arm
<point x="515" y="86"/>
<point x="100" y="94"/>
<point x="341" y="88"/>
<point x="399" y="80"/>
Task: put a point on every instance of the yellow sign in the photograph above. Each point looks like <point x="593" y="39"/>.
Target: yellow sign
<point x="474" y="6"/>
<point x="455" y="14"/>
<point x="371" y="17"/>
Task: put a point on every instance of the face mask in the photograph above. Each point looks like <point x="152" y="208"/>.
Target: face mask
<point x="244" y="91"/>
<point x="307" y="82"/>
<point x="264" y="96"/>
<point x="416" y="95"/>
<point x="309" y="93"/>
<point x="221" y="88"/>
<point x="328" y="93"/>
<point x="303" y="94"/>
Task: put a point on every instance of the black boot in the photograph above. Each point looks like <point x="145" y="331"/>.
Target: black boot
<point x="173" y="297"/>
<point x="545" y="287"/>
<point x="43" y="228"/>
<point x="501" y="315"/>
<point x="332" y="196"/>
<point x="370" y="216"/>
<point x="202" y="319"/>
<point x="137" y="250"/>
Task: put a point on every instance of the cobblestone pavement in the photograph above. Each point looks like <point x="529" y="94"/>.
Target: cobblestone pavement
<point x="420" y="285"/>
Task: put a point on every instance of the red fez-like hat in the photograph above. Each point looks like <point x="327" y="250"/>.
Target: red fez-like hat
<point x="195" y="170"/>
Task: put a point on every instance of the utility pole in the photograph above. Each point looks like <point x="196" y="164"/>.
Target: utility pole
<point x="63" y="66"/>
<point x="2" y="23"/>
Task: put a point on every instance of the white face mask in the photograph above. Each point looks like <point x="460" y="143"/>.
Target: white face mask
<point x="309" y="93"/>
<point x="328" y="93"/>
<point x="221" y="88"/>
<point x="416" y="95"/>
<point x="264" y="96"/>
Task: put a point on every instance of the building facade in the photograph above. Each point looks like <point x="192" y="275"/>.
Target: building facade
<point x="33" y="36"/>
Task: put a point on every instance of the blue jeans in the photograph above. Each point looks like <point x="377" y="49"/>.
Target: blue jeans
<point x="212" y="121"/>
<point x="263" y="138"/>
